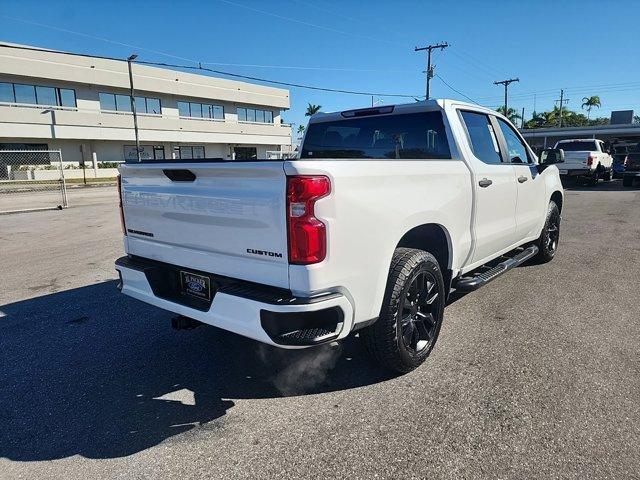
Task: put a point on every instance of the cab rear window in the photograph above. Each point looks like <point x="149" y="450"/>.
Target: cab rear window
<point x="587" y="146"/>
<point x="400" y="136"/>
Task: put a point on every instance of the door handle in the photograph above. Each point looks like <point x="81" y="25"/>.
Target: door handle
<point x="485" y="182"/>
<point x="522" y="179"/>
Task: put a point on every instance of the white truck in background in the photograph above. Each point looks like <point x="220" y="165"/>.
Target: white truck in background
<point x="586" y="159"/>
<point x="386" y="211"/>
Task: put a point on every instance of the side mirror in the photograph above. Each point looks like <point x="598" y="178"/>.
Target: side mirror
<point x="550" y="156"/>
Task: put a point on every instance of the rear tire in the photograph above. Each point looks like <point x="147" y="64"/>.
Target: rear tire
<point x="411" y="315"/>
<point x="550" y="236"/>
<point x="593" y="179"/>
<point x="627" y="181"/>
<point x="608" y="175"/>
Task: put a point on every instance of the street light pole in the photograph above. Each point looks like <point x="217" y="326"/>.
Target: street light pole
<point x="133" y="107"/>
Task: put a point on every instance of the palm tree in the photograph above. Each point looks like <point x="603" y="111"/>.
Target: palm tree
<point x="312" y="109"/>
<point x="301" y="129"/>
<point x="589" y="102"/>
<point x="511" y="114"/>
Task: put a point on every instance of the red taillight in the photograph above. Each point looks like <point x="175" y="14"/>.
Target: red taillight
<point x="590" y="160"/>
<point x="307" y="234"/>
<point x="122" y="225"/>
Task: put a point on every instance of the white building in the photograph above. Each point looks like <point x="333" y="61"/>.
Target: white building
<point x="81" y="105"/>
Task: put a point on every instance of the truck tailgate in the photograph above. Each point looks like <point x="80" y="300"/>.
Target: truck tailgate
<point x="228" y="220"/>
<point x="575" y="160"/>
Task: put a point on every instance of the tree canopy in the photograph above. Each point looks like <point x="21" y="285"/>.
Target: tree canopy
<point x="551" y="119"/>
<point x="312" y="109"/>
<point x="512" y="114"/>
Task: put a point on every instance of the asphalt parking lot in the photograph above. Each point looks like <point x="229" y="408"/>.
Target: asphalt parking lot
<point x="537" y="375"/>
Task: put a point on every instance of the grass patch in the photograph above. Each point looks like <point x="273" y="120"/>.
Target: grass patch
<point x="76" y="181"/>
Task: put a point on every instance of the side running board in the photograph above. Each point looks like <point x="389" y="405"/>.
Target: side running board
<point x="475" y="280"/>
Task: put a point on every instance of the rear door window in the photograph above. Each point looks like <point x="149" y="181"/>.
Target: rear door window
<point x="482" y="138"/>
<point x="408" y="135"/>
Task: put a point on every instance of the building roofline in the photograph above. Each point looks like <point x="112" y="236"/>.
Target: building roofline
<point x="586" y="130"/>
<point x="43" y="63"/>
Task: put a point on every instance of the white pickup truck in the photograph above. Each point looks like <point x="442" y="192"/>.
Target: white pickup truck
<point x="587" y="159"/>
<point x="386" y="211"/>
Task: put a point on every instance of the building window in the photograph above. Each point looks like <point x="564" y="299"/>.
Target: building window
<point x="37" y="95"/>
<point x="254" y="115"/>
<point x="200" y="110"/>
<point x="107" y="101"/>
<point x="6" y="93"/>
<point x="147" y="152"/>
<point x="122" y="103"/>
<point x="67" y="97"/>
<point x="245" y="153"/>
<point x="188" y="152"/>
<point x="25" y="93"/>
<point x="46" y="95"/>
<point x="24" y="146"/>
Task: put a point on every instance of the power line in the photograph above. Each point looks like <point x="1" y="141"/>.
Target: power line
<point x="309" y="24"/>
<point x="476" y="63"/>
<point x="457" y="91"/>
<point x="95" y="37"/>
<point x="333" y="13"/>
<point x="169" y="55"/>
<point x="219" y="72"/>
<point x="296" y="67"/>
<point x="278" y="82"/>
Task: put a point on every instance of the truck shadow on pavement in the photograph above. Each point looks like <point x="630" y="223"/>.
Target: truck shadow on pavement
<point x="612" y="186"/>
<point x="94" y="373"/>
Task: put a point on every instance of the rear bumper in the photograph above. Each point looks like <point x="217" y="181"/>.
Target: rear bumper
<point x="575" y="172"/>
<point x="632" y="173"/>
<point x="269" y="315"/>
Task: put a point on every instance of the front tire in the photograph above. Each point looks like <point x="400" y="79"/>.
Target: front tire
<point x="412" y="311"/>
<point x="549" y="238"/>
<point x="627" y="181"/>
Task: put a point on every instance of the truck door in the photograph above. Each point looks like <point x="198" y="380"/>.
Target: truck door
<point x="495" y="188"/>
<point x="531" y="198"/>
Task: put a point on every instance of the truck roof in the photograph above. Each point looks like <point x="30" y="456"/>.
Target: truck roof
<point x="419" y="106"/>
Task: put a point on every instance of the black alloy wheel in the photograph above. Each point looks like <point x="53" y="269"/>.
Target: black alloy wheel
<point x="412" y="310"/>
<point x="418" y="312"/>
<point x="553" y="232"/>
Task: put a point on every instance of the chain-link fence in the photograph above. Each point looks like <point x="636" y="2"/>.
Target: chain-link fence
<point x="31" y="180"/>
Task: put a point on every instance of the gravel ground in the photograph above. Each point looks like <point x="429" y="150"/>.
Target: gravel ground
<point x="537" y="375"/>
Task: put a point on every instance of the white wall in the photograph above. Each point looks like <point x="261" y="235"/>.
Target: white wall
<point x="87" y="123"/>
<point x="113" y="151"/>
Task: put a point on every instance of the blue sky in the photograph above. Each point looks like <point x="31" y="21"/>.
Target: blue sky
<point x="586" y="47"/>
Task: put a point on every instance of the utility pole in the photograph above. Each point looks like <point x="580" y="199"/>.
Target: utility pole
<point x="133" y="106"/>
<point x="522" y="119"/>
<point x="506" y="84"/>
<point x="429" y="49"/>
<point x="562" y="102"/>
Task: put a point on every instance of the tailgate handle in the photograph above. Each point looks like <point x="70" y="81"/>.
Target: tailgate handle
<point x="179" y="175"/>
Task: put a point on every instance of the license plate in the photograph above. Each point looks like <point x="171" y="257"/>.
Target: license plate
<point x="563" y="172"/>
<point x="195" y="285"/>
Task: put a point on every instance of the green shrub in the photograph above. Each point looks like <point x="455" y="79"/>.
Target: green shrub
<point x="108" y="164"/>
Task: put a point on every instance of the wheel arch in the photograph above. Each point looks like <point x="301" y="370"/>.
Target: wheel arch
<point x="558" y="199"/>
<point x="435" y="239"/>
